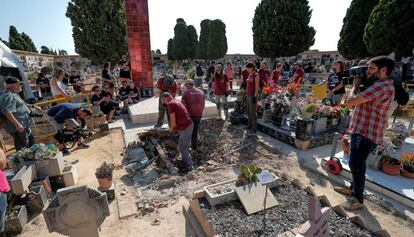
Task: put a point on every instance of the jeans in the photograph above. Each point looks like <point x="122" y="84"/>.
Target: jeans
<point x="223" y="100"/>
<point x="252" y="113"/>
<point x="194" y="136"/>
<point x="360" y="148"/>
<point x="198" y="81"/>
<point x="184" y="146"/>
<point x="23" y="139"/>
<point x="3" y="208"/>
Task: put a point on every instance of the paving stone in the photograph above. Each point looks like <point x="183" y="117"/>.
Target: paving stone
<point x="252" y="197"/>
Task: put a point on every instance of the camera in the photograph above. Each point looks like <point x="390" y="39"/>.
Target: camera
<point x="358" y="70"/>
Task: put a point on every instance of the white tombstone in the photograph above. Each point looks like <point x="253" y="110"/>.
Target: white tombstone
<point x="76" y="211"/>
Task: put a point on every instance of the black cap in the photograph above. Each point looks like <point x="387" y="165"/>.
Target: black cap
<point x="11" y="80"/>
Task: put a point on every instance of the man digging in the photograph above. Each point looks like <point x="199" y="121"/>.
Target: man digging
<point x="180" y="122"/>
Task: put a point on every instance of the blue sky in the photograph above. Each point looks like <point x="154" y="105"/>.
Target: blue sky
<point x="45" y="21"/>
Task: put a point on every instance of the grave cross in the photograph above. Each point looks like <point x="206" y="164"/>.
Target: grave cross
<point x="76" y="211"/>
<point x="317" y="225"/>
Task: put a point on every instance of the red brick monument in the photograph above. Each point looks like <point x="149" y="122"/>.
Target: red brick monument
<point x="139" y="45"/>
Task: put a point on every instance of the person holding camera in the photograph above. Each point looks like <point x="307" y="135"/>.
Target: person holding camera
<point x="16" y="114"/>
<point x="221" y="90"/>
<point x="165" y="84"/>
<point x="252" y="92"/>
<point x="368" y="123"/>
<point x="335" y="85"/>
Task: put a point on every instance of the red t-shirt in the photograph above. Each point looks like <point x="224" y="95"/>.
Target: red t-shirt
<point x="245" y="75"/>
<point x="167" y="88"/>
<point x="300" y="74"/>
<point x="264" y="75"/>
<point x="251" y="85"/>
<point x="182" y="117"/>
<point x="220" y="84"/>
<point x="276" y="76"/>
<point x="194" y="101"/>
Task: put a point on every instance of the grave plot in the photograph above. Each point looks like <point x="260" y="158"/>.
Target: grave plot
<point x="291" y="212"/>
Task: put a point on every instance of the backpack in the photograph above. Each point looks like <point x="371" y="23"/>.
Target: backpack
<point x="401" y="95"/>
<point x="199" y="71"/>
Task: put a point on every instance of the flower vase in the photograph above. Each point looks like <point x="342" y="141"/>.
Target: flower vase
<point x="345" y="147"/>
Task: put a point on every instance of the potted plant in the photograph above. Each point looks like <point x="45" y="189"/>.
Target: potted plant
<point x="407" y="161"/>
<point x="104" y="175"/>
<point x="308" y="111"/>
<point x="248" y="174"/>
<point x="390" y="165"/>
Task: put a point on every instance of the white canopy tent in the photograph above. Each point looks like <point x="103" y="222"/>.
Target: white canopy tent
<point x="8" y="59"/>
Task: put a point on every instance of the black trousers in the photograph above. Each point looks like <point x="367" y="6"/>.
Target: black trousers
<point x="23" y="139"/>
<point x="194" y="136"/>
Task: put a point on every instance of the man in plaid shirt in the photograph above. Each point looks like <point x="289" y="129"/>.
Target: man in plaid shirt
<point x="368" y="123"/>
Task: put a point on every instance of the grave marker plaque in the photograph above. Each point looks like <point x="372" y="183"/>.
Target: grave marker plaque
<point x="317" y="225"/>
<point x="76" y="211"/>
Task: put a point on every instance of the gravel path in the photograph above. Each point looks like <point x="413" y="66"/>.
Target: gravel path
<point x="230" y="219"/>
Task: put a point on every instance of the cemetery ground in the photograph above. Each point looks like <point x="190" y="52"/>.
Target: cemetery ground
<point x="150" y="203"/>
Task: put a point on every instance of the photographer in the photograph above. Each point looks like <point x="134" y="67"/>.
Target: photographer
<point x="58" y="115"/>
<point x="368" y="123"/>
<point x="16" y="114"/>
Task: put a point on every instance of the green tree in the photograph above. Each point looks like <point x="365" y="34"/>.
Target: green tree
<point x="16" y="40"/>
<point x="281" y="28"/>
<point x="170" y="53"/>
<point x="351" y="44"/>
<point x="193" y="42"/>
<point x="45" y="50"/>
<point x="205" y="26"/>
<point x="62" y="52"/>
<point x="389" y="28"/>
<point x="99" y="29"/>
<point x="217" y="44"/>
<point x="29" y="45"/>
<point x="158" y="51"/>
<point x="180" y="41"/>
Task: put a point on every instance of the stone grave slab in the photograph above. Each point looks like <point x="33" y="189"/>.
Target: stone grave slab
<point x="252" y="197"/>
<point x="77" y="211"/>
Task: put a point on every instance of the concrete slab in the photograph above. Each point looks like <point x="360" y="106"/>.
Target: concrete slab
<point x="127" y="209"/>
<point x="252" y="197"/>
<point x="146" y="111"/>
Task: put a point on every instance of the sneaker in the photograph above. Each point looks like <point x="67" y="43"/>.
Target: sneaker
<point x="346" y="191"/>
<point x="65" y="151"/>
<point x="157" y="125"/>
<point x="83" y="145"/>
<point x="352" y="204"/>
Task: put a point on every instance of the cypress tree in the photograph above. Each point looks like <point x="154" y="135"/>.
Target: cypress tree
<point x="217" y="44"/>
<point x="281" y="28"/>
<point x="351" y="44"/>
<point x="170" y="53"/>
<point x="389" y="28"/>
<point x="193" y="42"/>
<point x="204" y="38"/>
<point x="99" y="29"/>
<point x="16" y="40"/>
<point x="30" y="46"/>
<point x="180" y="41"/>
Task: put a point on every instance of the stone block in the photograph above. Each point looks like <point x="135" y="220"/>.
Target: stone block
<point x="252" y="197"/>
<point x="15" y="222"/>
<point x="165" y="183"/>
<point x="21" y="181"/>
<point x="110" y="193"/>
<point x="45" y="182"/>
<point x="70" y="176"/>
<point x="50" y="167"/>
<point x="104" y="128"/>
<point x="35" y="200"/>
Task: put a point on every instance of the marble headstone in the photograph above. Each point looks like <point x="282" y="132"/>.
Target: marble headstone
<point x="317" y="225"/>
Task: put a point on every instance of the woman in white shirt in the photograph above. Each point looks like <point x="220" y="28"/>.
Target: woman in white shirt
<point x="57" y="87"/>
